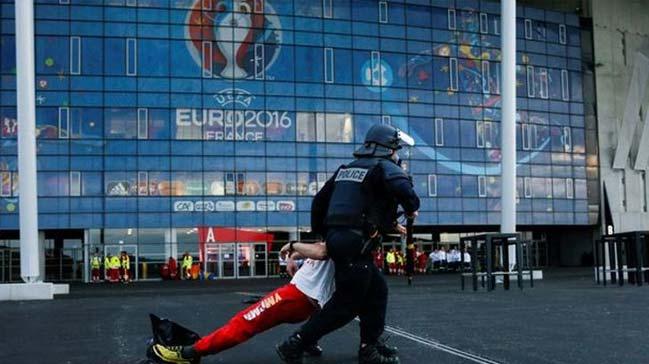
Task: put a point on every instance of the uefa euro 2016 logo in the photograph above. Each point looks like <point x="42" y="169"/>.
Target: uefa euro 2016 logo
<point x="234" y="39"/>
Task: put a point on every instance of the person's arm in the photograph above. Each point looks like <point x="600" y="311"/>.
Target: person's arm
<point x="400" y="185"/>
<point x="317" y="251"/>
<point x="291" y="264"/>
<point x="320" y="206"/>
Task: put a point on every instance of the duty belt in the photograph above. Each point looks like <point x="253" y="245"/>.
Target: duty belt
<point x="357" y="232"/>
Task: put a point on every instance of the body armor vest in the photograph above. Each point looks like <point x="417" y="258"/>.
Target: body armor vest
<point x="356" y="198"/>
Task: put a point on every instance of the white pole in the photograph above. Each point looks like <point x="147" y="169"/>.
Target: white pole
<point x="29" y="252"/>
<point x="508" y="125"/>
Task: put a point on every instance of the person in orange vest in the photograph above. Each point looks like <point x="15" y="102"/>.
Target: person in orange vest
<point x="125" y="262"/>
<point x="195" y="271"/>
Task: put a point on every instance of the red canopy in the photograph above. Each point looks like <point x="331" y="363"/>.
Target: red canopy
<point x="208" y="234"/>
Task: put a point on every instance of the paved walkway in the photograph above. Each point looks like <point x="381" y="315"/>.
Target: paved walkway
<point x="566" y="318"/>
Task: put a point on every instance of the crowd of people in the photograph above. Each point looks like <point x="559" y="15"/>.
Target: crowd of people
<point x="116" y="268"/>
<point x="188" y="269"/>
<point x="393" y="261"/>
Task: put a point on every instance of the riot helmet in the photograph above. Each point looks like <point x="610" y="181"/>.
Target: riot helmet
<point x="381" y="140"/>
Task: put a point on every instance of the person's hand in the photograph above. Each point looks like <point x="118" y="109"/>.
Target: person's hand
<point x="401" y="229"/>
<point x="285" y="250"/>
<point x="291" y="267"/>
<point x="413" y="215"/>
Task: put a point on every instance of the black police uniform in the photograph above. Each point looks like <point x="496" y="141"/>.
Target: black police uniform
<point x="359" y="201"/>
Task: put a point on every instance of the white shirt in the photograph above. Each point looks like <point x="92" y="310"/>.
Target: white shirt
<point x="434" y="256"/>
<point x="316" y="280"/>
<point x="453" y="256"/>
<point x="441" y="255"/>
<point x="467" y="258"/>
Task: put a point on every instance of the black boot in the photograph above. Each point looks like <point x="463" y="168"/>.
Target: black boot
<point x="386" y="350"/>
<point x="370" y="354"/>
<point x="291" y="350"/>
<point x="313" y="350"/>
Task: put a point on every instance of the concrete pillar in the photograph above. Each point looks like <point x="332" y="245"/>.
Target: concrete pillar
<point x="508" y="125"/>
<point x="30" y="267"/>
<point x="171" y="243"/>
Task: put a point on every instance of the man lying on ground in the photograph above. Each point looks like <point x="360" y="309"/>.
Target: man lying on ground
<point x="309" y="290"/>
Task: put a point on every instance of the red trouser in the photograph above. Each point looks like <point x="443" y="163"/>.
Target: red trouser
<point x="286" y="304"/>
<point x="114" y="275"/>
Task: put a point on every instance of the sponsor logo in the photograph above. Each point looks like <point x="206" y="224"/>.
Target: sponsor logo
<point x="314" y="187"/>
<point x="118" y="188"/>
<point x="265" y="205"/>
<point x="285" y="205"/>
<point x="183" y="206"/>
<point x="207" y="206"/>
<point x="263" y="305"/>
<point x="351" y="175"/>
<point x="223" y="206"/>
<point x="245" y="206"/>
<point x="230" y="206"/>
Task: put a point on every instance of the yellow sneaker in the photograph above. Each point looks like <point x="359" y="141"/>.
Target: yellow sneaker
<point x="172" y="354"/>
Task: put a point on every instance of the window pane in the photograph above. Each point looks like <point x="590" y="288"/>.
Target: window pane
<point x="75" y="183"/>
<point x="159" y="184"/>
<point x="186" y="184"/>
<point x="339" y="128"/>
<point x="86" y="123"/>
<point x="305" y="127"/>
<point x="5" y="184"/>
<point x="120" y="123"/>
<point x="47" y="122"/>
<point x="449" y="186"/>
<point x="75" y="55"/>
<point x="53" y="184"/>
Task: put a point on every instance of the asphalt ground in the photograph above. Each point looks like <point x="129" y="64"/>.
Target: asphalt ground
<point x="565" y="318"/>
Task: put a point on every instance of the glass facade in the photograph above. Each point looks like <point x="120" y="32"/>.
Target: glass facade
<point x="153" y="114"/>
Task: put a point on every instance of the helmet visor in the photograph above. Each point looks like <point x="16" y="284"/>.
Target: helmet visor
<point x="405" y="139"/>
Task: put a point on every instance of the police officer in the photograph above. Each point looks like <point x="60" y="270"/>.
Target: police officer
<point x="352" y="210"/>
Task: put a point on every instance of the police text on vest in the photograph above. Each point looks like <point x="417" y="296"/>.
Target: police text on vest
<point x="351" y="175"/>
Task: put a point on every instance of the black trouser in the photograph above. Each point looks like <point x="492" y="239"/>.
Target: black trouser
<point x="360" y="291"/>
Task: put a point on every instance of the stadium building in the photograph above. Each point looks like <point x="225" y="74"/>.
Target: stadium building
<point x="166" y="126"/>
